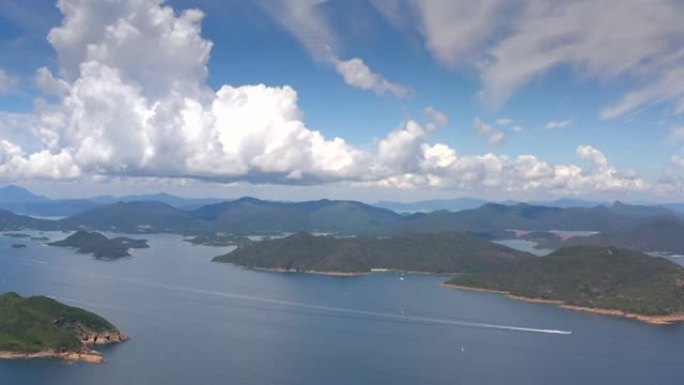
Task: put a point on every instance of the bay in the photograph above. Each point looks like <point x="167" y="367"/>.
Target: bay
<point x="195" y="321"/>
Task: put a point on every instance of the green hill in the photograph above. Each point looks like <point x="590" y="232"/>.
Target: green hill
<point x="131" y="217"/>
<point x="522" y="216"/>
<point x="422" y="252"/>
<point x="100" y="246"/>
<point x="41" y="324"/>
<point x="592" y="277"/>
<point x="663" y="234"/>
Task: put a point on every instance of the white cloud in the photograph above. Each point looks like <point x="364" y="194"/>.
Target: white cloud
<point x="109" y="118"/>
<point x="7" y="82"/>
<point x="512" y="43"/>
<point x="591" y="154"/>
<point x="357" y="74"/>
<point x="134" y="102"/>
<point x="456" y="30"/>
<point x="308" y="24"/>
<point x="510" y="123"/>
<point x="50" y="85"/>
<point x="554" y="124"/>
<point x="677" y="134"/>
<point x="436" y="118"/>
<point x="494" y="136"/>
<point x="677" y="161"/>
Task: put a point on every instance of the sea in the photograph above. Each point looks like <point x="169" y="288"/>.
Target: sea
<point x="193" y="321"/>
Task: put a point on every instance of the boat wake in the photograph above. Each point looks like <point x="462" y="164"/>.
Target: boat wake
<point x="301" y="305"/>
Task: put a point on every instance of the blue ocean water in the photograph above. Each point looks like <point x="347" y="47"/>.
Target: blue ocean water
<point x="196" y="322"/>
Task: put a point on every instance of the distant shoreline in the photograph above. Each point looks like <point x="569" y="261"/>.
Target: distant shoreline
<point x="341" y="273"/>
<point x="650" y="319"/>
<point x="292" y="271"/>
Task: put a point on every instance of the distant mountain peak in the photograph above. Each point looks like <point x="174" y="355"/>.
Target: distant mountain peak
<point x="17" y="194"/>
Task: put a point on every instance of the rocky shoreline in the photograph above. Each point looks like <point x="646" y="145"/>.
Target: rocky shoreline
<point x="650" y="319"/>
<point x="90" y="356"/>
<point x="89" y="339"/>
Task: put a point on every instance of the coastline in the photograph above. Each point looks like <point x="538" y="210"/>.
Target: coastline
<point x="290" y="271"/>
<point x="341" y="273"/>
<point x="84" y="354"/>
<point x="649" y="319"/>
<point x="90" y="356"/>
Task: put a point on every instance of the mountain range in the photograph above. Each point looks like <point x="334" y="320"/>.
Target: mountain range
<point x="20" y="200"/>
<point x="247" y="216"/>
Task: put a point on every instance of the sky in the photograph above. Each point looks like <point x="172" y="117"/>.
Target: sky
<point x="344" y="99"/>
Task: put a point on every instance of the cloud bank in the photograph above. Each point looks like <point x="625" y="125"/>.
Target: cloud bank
<point x="130" y="99"/>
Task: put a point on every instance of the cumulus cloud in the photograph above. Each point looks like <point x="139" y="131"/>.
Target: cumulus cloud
<point x="442" y="166"/>
<point x="133" y="100"/>
<point x="48" y="84"/>
<point x="513" y="42"/>
<point x="7" y="82"/>
<point x="130" y="99"/>
<point x="554" y="124"/>
<point x="494" y="136"/>
<point x="591" y="154"/>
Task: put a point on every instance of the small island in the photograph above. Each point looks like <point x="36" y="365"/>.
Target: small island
<point x="100" y="246"/>
<point x="440" y="253"/>
<point x="40" y="327"/>
<point x="604" y="280"/>
<point x="16" y="235"/>
<point x="218" y="239"/>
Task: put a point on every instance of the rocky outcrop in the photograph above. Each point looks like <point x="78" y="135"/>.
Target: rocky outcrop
<point x="102" y="338"/>
<point x="92" y="356"/>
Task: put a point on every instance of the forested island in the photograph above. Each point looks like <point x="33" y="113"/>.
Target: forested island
<point x="604" y="280"/>
<point x="441" y="253"/>
<point x="40" y="327"/>
<point x="99" y="245"/>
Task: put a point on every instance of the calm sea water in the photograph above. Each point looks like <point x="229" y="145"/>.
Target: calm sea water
<point x="196" y="322"/>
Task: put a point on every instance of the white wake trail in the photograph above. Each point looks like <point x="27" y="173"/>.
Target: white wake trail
<point x="333" y="309"/>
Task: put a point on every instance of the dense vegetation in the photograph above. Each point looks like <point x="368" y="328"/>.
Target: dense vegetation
<point x="100" y="246"/>
<point x="664" y="235"/>
<point x="588" y="276"/>
<point x="36" y="324"/>
<point x="219" y="240"/>
<point x="423" y="252"/>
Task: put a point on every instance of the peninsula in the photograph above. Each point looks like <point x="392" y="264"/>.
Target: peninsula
<point x="40" y="327"/>
<point x="605" y="280"/>
<point x="441" y="253"/>
<point x="100" y="246"/>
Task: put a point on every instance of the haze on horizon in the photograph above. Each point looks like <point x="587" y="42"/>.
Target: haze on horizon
<point x="368" y="100"/>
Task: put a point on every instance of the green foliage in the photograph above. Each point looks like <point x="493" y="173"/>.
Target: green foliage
<point x="663" y="234"/>
<point x="100" y="246"/>
<point x="40" y="323"/>
<point x="424" y="252"/>
<point x="219" y="240"/>
<point x="601" y="277"/>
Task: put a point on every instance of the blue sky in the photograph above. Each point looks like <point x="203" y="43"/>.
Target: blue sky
<point x="538" y="99"/>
